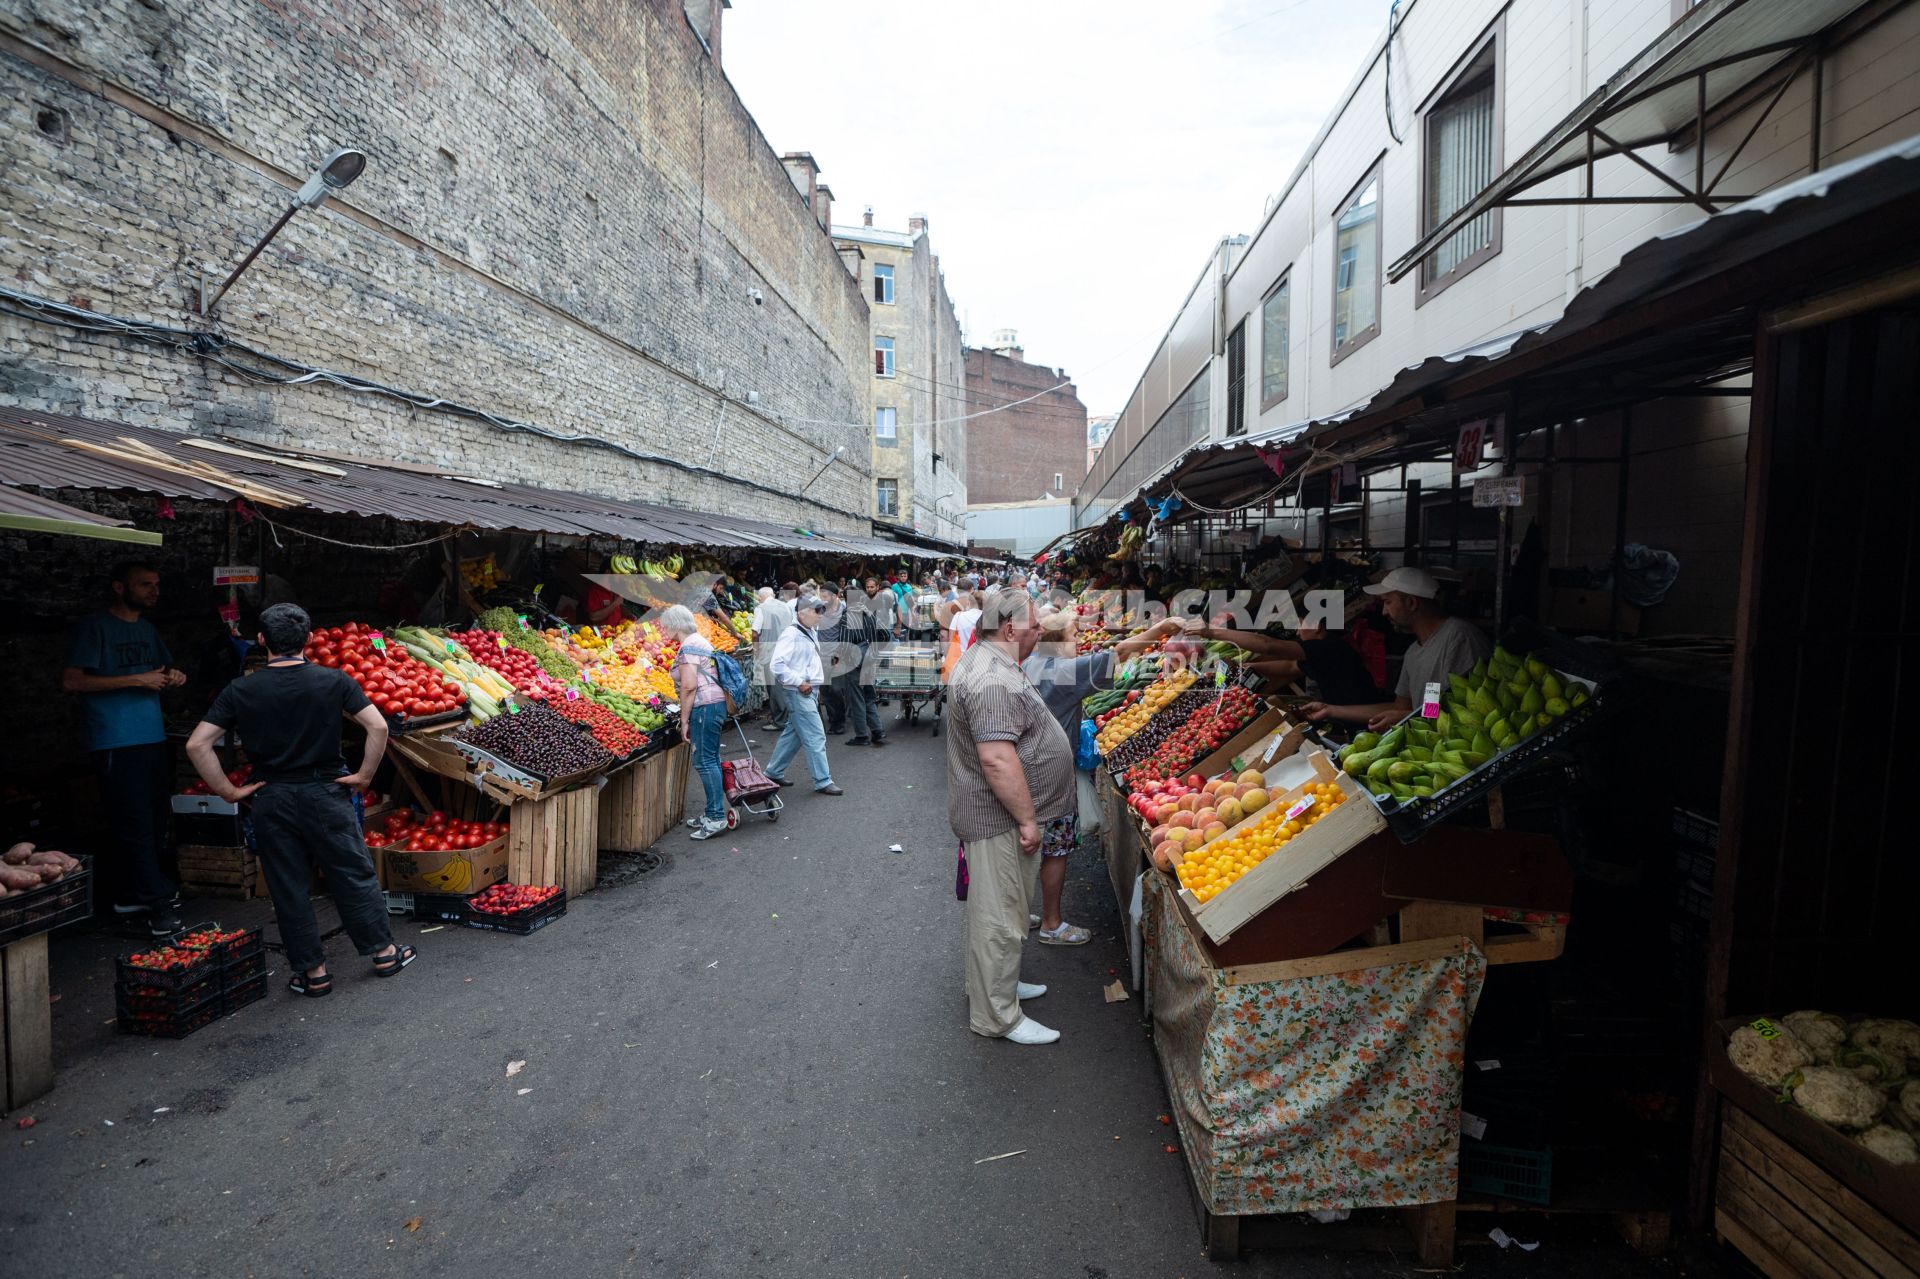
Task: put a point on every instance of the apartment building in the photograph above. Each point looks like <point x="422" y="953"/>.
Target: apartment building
<point x="1487" y="162"/>
<point x="1026" y="429"/>
<point x="919" y="393"/>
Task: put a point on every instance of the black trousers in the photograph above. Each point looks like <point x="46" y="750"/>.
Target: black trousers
<point x="135" y="785"/>
<point x="301" y="825"/>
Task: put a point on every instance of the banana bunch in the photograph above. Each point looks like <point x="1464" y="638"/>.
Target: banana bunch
<point x="1130" y="539"/>
<point x="669" y="567"/>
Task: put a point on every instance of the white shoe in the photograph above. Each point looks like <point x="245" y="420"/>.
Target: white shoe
<point x="707" y="829"/>
<point x="1030" y="1031"/>
<point x="1031" y="990"/>
<point x="1033" y="922"/>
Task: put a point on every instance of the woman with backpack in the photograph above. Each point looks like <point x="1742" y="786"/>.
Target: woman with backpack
<point x="703" y="710"/>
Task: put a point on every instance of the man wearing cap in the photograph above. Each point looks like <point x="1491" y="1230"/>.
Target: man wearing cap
<point x="1442" y="646"/>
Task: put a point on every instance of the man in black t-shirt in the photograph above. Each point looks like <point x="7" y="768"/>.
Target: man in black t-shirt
<point x="287" y="716"/>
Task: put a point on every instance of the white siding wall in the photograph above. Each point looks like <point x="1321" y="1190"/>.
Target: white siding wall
<point x="1685" y="485"/>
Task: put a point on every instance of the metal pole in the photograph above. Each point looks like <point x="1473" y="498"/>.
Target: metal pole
<point x="1620" y="517"/>
<point x="207" y="304"/>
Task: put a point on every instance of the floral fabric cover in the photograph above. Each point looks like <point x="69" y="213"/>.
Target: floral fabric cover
<point x="1326" y="1092"/>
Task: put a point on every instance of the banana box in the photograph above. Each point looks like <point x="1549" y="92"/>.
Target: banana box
<point x="461" y="871"/>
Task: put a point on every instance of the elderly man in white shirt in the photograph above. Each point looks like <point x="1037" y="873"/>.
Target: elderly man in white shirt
<point x="798" y="673"/>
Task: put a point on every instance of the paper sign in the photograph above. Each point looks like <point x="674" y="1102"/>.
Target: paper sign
<point x="237" y="575"/>
<point x="378" y="640"/>
<point x="1473" y="1125"/>
<point x="573" y="694"/>
<point x="1509" y="490"/>
<point x="501" y="640"/>
<point x="1764" y="1028"/>
<point x="1491" y="1063"/>
<point x="1273" y="748"/>
<point x="230" y="614"/>
<point x="1470" y="447"/>
<point x="449" y="646"/>
<point x="1430" y="701"/>
<point x="513" y="708"/>
<point x="1300" y="806"/>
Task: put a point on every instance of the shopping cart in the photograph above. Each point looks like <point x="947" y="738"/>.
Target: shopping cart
<point x="748" y="787"/>
<point x="910" y="675"/>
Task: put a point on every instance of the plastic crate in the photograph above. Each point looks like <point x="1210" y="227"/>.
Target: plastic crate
<point x="1507" y="1172"/>
<point x="239" y="994"/>
<point x="251" y="942"/>
<point x="456" y="910"/>
<point x="170" y="1025"/>
<point x="237" y="972"/>
<point x="45" y="908"/>
<point x="128" y="975"/>
<point x="156" y="999"/>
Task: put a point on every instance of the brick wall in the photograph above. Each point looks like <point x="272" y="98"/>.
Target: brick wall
<point x="564" y="209"/>
<point x="1012" y="456"/>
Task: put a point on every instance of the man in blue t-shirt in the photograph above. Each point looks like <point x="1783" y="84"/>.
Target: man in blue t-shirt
<point x="118" y="667"/>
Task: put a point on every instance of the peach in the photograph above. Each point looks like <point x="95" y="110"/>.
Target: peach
<point x="1157" y="834"/>
<point x="1204" y="815"/>
<point x="1254" y="800"/>
<point x="1189" y="803"/>
<point x="1230" y="811"/>
<point x="1252" y="777"/>
<point x="1180" y="821"/>
<point x="1161" y="860"/>
<point x="1161" y="812"/>
<point x="1214" y="830"/>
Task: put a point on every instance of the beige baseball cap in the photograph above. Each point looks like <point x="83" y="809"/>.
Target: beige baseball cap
<point x="1408" y="581"/>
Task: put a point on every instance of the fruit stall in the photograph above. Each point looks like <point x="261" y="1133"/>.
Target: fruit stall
<point x="1275" y="875"/>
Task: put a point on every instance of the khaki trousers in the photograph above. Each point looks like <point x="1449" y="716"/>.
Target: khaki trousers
<point x="1001" y="881"/>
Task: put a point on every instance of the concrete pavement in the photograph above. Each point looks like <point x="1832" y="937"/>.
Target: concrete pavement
<point x="751" y="1061"/>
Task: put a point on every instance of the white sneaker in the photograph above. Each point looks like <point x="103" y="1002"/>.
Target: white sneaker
<point x="707" y="829"/>
<point x="1030" y="1031"/>
<point x="1031" y="990"/>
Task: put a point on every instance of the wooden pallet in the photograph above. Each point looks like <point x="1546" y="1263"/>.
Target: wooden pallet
<point x="209" y="870"/>
<point x="644" y="801"/>
<point x="555" y="840"/>
<point x="1792" y="1218"/>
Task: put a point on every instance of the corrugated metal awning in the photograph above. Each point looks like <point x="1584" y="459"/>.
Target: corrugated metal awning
<point x="57" y="451"/>
<point x="32" y="513"/>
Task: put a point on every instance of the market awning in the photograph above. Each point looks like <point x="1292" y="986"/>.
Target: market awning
<point x="20" y="509"/>
<point x="1716" y="51"/>
<point x="56" y="451"/>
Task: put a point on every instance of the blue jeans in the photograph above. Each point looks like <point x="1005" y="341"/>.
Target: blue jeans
<point x="703" y="731"/>
<point x="804" y="731"/>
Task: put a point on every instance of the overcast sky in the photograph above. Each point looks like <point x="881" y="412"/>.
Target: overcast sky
<point x="1077" y="159"/>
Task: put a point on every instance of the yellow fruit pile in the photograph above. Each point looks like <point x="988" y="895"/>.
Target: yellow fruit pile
<point x="1209" y="870"/>
<point x="637" y="681"/>
<point x="1135" y="717"/>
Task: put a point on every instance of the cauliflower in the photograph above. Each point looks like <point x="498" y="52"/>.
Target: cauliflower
<point x="1907" y="1106"/>
<point x="1768" y="1060"/>
<point x="1835" y="1096"/>
<point x="1890" y="1144"/>
<point x="1896" y="1041"/>
<point x="1822" y="1033"/>
<point x="1869" y="1067"/>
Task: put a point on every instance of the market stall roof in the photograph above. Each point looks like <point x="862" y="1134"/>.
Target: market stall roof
<point x="57" y="451"/>
<point x="20" y="509"/>
<point x="1670" y="316"/>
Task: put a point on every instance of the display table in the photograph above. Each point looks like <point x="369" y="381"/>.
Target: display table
<point x="644" y="800"/>
<point x="1331" y="1082"/>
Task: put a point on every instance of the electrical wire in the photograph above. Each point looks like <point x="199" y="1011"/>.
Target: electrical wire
<point x="214" y="348"/>
<point x="358" y="546"/>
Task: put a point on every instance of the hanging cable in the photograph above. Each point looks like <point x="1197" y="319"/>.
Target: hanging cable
<point x="358" y="546"/>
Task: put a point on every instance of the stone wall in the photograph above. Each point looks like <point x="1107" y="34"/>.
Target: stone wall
<point x="564" y="210"/>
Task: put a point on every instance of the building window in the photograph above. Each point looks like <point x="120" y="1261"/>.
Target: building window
<point x="883" y="284"/>
<point x="1463" y="138"/>
<point x="1237" y="380"/>
<point x="886" y="497"/>
<point x="1273" y="344"/>
<point x="1356" y="269"/>
<point x="883" y="357"/>
<point x="1059" y="482"/>
<point x="886" y="425"/>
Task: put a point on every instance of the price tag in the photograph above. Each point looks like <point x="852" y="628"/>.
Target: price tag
<point x="1764" y="1028"/>
<point x="573" y="694"/>
<point x="378" y="640"/>
<point x="501" y="640"/>
<point x="1300" y="806"/>
<point x="1473" y="1125"/>
<point x="1430" y="701"/>
<point x="513" y="708"/>
<point x="1273" y="747"/>
<point x="450" y="646"/>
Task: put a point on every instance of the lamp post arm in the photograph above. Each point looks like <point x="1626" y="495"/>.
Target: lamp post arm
<point x="208" y="303"/>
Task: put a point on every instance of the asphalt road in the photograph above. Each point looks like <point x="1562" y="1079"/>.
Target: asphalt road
<point x="752" y="1061"/>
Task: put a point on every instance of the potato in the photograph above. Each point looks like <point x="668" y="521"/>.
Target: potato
<point x="18" y="854"/>
<point x="19" y="877"/>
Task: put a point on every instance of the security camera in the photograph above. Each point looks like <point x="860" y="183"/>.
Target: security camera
<point x="759" y="298"/>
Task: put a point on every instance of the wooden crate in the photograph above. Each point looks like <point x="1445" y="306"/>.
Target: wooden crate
<point x="26" y="1022"/>
<point x="1792" y="1218"/>
<point x="644" y="801"/>
<point x="555" y="840"/>
<point x="212" y="870"/>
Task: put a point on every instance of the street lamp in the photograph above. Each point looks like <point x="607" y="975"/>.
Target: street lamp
<point x="831" y="459"/>
<point x="336" y="173"/>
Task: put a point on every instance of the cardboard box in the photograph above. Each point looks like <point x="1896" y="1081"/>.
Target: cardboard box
<point x="1290" y="866"/>
<point x="460" y="872"/>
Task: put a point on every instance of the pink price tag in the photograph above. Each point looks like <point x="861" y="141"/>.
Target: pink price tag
<point x="1300" y="806"/>
<point x="573" y="694"/>
<point x="1430" y="701"/>
<point x="378" y="640"/>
